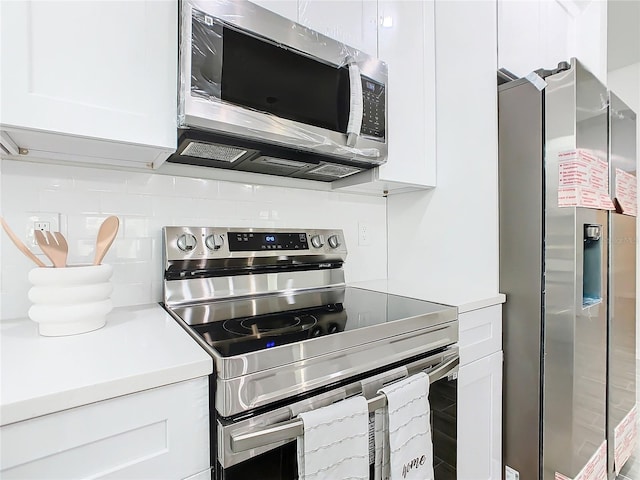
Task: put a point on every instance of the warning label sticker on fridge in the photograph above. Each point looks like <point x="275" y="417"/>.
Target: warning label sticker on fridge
<point x="583" y="180"/>
<point x="627" y="192"/>
<point x="595" y="469"/>
<point x="624" y="439"/>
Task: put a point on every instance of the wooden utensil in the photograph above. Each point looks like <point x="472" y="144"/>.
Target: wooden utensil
<point x="49" y="245"/>
<point x="62" y="243"/>
<point x="106" y="236"/>
<point x="21" y="246"/>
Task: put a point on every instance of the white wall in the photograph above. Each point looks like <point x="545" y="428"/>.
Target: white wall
<point x="146" y="202"/>
<point x="535" y="34"/>
<point x="446" y="240"/>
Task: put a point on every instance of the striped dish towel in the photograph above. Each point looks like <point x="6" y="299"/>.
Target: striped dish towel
<point x="404" y="449"/>
<point x="335" y="443"/>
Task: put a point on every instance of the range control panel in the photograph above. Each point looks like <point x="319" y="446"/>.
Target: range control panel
<point x="185" y="243"/>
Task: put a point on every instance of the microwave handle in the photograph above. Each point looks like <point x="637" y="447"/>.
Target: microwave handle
<point x="356" y="104"/>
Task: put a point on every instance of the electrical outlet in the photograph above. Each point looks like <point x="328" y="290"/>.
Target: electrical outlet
<point x="364" y="234"/>
<point x="43" y="221"/>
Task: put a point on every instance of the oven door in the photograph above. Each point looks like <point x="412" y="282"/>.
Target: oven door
<point x="264" y="445"/>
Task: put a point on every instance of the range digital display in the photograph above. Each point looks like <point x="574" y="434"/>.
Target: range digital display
<point x="261" y="241"/>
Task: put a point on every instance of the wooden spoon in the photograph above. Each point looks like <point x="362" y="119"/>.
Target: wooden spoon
<point x="48" y="244"/>
<point x="106" y="236"/>
<point x="62" y="243"/>
<point x="21" y="246"/>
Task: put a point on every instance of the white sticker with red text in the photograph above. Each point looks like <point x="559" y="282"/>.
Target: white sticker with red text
<point x="583" y="180"/>
<point x="627" y="192"/>
<point x="624" y="439"/>
<point x="595" y="469"/>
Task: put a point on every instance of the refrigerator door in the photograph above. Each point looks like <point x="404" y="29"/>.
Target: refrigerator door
<point x="575" y="285"/>
<point x="621" y="392"/>
<point x="622" y="342"/>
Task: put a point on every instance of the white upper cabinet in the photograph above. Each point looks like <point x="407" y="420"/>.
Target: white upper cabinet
<point x="285" y="8"/>
<point x="406" y="42"/>
<point x="90" y="81"/>
<point x="352" y="22"/>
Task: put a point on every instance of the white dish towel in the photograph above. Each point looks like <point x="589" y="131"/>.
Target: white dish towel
<point x="335" y="444"/>
<point x="404" y="450"/>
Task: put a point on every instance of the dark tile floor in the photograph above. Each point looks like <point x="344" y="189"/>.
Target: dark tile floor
<point x="631" y="470"/>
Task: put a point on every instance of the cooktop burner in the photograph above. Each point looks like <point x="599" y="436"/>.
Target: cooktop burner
<point x="242" y="335"/>
<point x="272" y="326"/>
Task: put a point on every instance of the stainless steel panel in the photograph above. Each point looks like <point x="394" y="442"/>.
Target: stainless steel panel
<point x="277" y="424"/>
<point x="260" y="305"/>
<point x="224" y="257"/>
<point x="521" y="188"/>
<point x="281" y="381"/>
<point x="221" y="116"/>
<point x="622" y="325"/>
<point x="197" y="290"/>
<point x="622" y="280"/>
<point x="574" y="367"/>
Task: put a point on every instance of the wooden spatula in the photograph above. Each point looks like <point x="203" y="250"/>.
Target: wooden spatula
<point x="48" y="244"/>
<point x="21" y="246"/>
<point x="106" y="236"/>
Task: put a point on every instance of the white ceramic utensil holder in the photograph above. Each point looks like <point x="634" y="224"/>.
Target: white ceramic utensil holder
<point x="70" y="300"/>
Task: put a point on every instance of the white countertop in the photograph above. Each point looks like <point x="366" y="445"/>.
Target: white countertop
<point x="139" y="348"/>
<point x="463" y="302"/>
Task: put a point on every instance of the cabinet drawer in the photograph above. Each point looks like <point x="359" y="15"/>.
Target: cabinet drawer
<point x="154" y="434"/>
<point x="480" y="333"/>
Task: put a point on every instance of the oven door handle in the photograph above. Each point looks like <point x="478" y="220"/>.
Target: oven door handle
<point x="294" y="428"/>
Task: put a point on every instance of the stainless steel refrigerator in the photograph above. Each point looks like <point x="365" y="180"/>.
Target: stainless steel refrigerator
<point x="554" y="261"/>
<point x="621" y="386"/>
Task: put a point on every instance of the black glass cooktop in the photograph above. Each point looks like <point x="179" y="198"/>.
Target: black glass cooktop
<point x="235" y="327"/>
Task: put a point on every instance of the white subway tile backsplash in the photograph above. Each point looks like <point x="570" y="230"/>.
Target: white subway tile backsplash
<point x="145" y="202"/>
<point x="69" y="202"/>
<point x="235" y="191"/>
<point x="151" y="184"/>
<point x="135" y="226"/>
<point x="196" y="187"/>
<point x="129" y="249"/>
<point x="125" y="204"/>
<point x="102" y="181"/>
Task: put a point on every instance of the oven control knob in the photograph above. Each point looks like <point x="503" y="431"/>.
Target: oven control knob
<point x="214" y="242"/>
<point x="187" y="242"/>
<point x="317" y="241"/>
<point x="334" y="241"/>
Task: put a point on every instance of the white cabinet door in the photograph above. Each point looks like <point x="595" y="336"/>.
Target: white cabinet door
<point x="480" y="419"/>
<point x="285" y="8"/>
<point x="353" y="22"/>
<point x="99" y="70"/>
<point x="406" y="42"/>
<point x="153" y="434"/>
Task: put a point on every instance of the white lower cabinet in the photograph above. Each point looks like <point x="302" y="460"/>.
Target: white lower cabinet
<point x="480" y="419"/>
<point x="162" y="433"/>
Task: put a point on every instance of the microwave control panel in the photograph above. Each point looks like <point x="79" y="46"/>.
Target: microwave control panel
<point x="373" y="115"/>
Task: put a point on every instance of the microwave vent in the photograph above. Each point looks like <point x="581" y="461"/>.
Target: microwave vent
<point x="213" y="152"/>
<point x="336" y="171"/>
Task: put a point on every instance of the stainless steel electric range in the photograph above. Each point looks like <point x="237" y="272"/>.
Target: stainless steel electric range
<point x="287" y="335"/>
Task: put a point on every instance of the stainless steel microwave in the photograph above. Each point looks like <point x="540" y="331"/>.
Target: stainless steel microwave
<point x="261" y="93"/>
